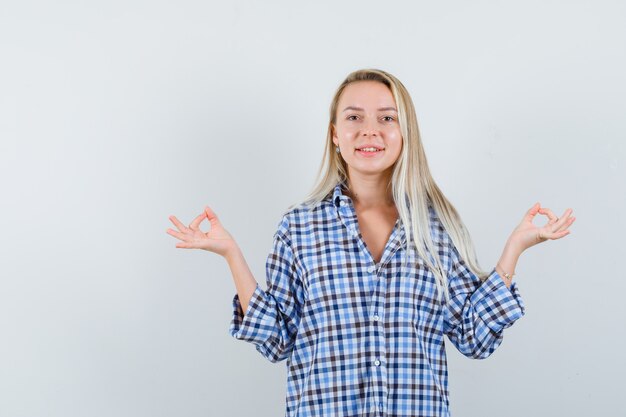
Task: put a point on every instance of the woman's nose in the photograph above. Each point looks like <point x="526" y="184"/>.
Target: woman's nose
<point x="370" y="127"/>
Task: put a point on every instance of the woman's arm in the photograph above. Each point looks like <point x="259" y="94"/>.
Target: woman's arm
<point x="508" y="261"/>
<point x="219" y="241"/>
<point x="272" y="316"/>
<point x="526" y="234"/>
<point x="266" y="318"/>
<point x="244" y="280"/>
<point x="479" y="311"/>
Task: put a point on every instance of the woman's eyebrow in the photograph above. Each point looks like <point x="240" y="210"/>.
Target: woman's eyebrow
<point x="360" y="109"/>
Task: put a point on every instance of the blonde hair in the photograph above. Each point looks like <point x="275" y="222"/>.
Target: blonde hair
<point x="412" y="184"/>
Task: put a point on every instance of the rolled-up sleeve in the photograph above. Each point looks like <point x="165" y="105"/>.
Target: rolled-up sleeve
<point x="478" y="311"/>
<point x="272" y="318"/>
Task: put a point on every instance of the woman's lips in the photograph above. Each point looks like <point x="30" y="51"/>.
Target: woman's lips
<point x="369" y="154"/>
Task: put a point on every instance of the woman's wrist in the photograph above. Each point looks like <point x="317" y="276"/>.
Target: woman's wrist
<point x="513" y="246"/>
<point x="232" y="253"/>
<point x="507" y="277"/>
<point x="505" y="267"/>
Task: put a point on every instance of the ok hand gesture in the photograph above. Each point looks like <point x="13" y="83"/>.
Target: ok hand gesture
<point x="217" y="239"/>
<point x="526" y="234"/>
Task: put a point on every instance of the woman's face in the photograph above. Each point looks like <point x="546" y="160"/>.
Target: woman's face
<point x="367" y="115"/>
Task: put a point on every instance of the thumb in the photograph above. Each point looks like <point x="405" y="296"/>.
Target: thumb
<point x="210" y="214"/>
<point x="532" y="212"/>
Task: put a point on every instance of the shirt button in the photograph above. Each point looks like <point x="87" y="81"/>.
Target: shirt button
<point x="343" y="203"/>
<point x="376" y="362"/>
<point x="371" y="269"/>
<point x="376" y="317"/>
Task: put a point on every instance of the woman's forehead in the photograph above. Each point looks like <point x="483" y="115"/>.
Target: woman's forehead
<point x="367" y="94"/>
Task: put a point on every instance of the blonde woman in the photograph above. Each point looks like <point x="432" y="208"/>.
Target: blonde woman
<point x="372" y="270"/>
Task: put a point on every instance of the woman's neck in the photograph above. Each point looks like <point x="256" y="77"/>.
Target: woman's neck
<point x="370" y="192"/>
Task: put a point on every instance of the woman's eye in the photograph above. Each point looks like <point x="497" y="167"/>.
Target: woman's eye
<point x="386" y="118"/>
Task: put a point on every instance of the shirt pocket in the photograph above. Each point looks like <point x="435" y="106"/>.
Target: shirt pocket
<point x="335" y="276"/>
<point x="422" y="288"/>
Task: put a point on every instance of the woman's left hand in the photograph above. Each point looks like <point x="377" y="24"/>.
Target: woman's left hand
<point x="526" y="234"/>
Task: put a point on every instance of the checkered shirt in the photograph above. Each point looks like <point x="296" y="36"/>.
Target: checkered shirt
<point x="362" y="338"/>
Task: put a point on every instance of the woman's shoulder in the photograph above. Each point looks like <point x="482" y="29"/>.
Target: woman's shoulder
<point x="298" y="218"/>
<point x="437" y="229"/>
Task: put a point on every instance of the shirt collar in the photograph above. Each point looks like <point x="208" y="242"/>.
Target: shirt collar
<point x="398" y="234"/>
<point x="338" y="193"/>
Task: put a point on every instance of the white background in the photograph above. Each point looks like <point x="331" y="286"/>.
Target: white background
<point x="115" y="115"/>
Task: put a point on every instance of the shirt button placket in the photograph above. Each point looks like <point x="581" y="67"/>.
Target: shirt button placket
<point x="379" y="332"/>
<point x="372" y="270"/>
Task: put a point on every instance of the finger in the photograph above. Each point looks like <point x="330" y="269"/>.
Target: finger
<point x="561" y="221"/>
<point x="556" y="235"/>
<point x="195" y="224"/>
<point x="564" y="222"/>
<point x="178" y="224"/>
<point x="547" y="212"/>
<point x="532" y="212"/>
<point x="176" y="234"/>
<point x="184" y="245"/>
<point x="210" y="214"/>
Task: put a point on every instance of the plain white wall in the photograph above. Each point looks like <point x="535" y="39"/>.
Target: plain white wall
<point x="116" y="114"/>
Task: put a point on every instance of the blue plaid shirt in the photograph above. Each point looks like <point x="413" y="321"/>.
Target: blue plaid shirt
<point x="367" y="339"/>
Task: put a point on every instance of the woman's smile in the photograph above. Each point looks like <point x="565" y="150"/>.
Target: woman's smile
<point x="369" y="153"/>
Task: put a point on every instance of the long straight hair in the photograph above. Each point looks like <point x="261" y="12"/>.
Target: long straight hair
<point x="413" y="187"/>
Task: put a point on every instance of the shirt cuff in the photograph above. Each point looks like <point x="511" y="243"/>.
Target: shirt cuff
<point x="242" y="326"/>
<point x="498" y="306"/>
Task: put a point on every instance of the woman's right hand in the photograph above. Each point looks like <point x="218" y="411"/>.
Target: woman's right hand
<point x="216" y="240"/>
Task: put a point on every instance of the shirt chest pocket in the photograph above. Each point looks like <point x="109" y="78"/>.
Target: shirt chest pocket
<point x="336" y="280"/>
<point x="419" y="288"/>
